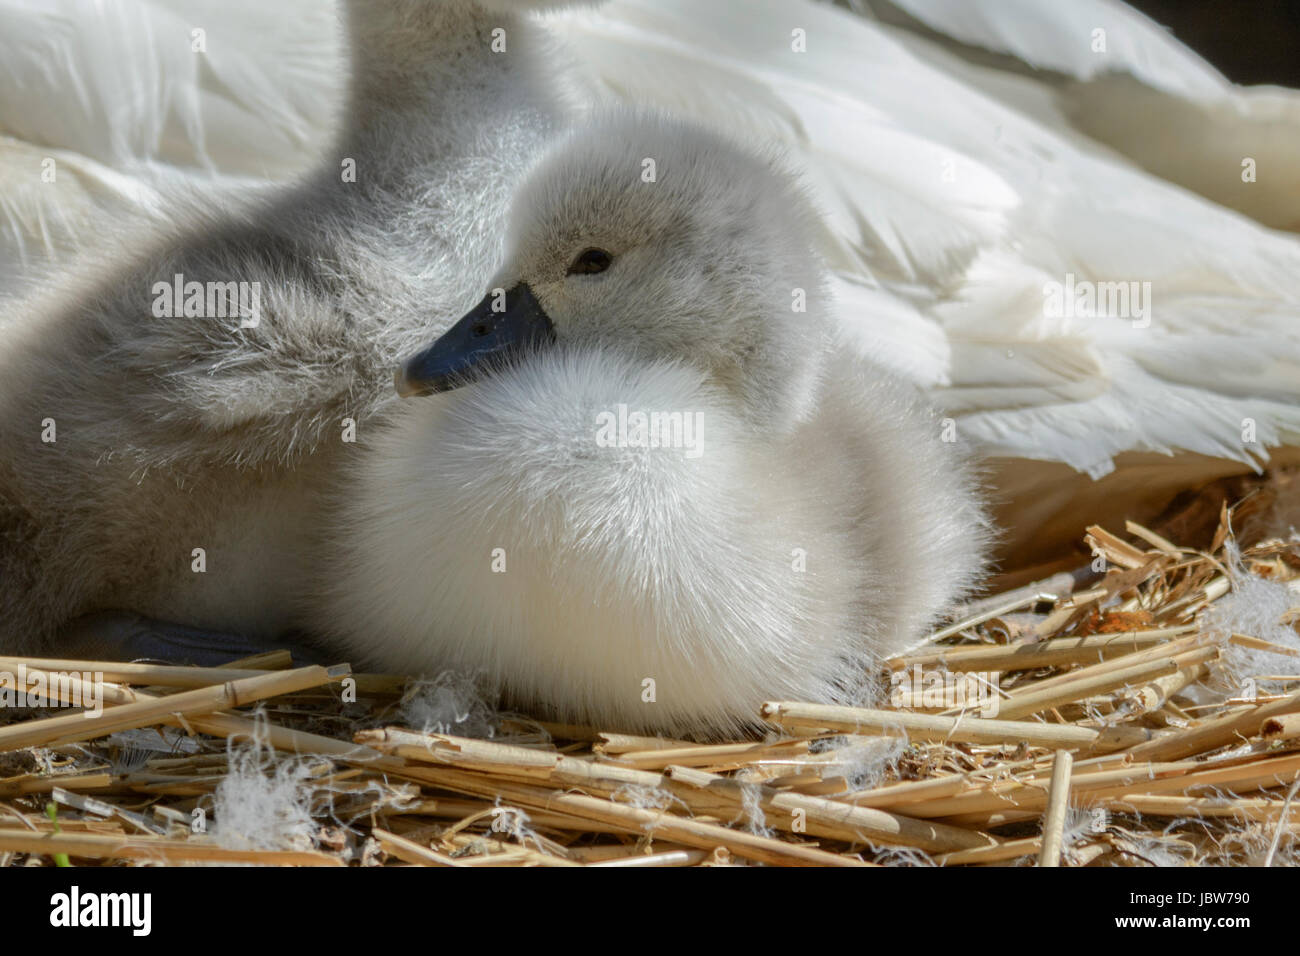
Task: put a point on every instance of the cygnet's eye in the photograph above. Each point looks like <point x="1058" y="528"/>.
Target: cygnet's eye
<point x="590" y="262"/>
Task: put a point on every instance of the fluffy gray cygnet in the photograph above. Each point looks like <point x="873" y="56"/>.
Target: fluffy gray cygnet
<point x="170" y="464"/>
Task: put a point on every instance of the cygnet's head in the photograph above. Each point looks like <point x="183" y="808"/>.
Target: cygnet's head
<point x="661" y="240"/>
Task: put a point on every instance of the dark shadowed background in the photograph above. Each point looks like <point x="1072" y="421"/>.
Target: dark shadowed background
<point x="1250" y="41"/>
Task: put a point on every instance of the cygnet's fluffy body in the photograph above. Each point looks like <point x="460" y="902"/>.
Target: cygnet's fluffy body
<point x="168" y="464"/>
<point x="813" y="521"/>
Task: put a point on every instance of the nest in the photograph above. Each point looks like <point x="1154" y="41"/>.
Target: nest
<point x="1150" y="718"/>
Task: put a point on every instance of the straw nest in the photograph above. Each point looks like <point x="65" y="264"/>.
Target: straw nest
<point x="1150" y="718"/>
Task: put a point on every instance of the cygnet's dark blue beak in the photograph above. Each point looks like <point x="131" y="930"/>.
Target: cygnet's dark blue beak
<point x="484" y="339"/>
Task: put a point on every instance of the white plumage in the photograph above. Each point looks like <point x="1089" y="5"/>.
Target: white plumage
<point x="1107" y="71"/>
<point x="115" y="95"/>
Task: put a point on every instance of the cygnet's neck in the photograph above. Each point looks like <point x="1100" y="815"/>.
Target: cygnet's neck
<point x="423" y="71"/>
